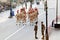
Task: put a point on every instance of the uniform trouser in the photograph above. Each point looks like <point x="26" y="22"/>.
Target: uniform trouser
<point x="43" y="34"/>
<point x="11" y="14"/>
<point x="35" y="34"/>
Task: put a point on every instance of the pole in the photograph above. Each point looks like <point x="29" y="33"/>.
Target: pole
<point x="56" y="11"/>
<point x="30" y="3"/>
<point x="47" y="37"/>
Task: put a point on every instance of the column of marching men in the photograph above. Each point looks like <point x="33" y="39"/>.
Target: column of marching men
<point x="32" y="14"/>
<point x="22" y="15"/>
<point x="33" y="18"/>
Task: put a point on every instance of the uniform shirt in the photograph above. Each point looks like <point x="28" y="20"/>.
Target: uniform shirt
<point x="42" y="27"/>
<point x="17" y="15"/>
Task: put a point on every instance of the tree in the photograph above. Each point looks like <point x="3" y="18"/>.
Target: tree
<point x="31" y="3"/>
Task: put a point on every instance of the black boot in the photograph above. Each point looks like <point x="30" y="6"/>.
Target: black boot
<point x="36" y="37"/>
<point x="10" y="17"/>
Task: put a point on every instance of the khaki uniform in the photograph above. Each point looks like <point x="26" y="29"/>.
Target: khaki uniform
<point x="23" y="16"/>
<point x="17" y="16"/>
<point x="42" y="30"/>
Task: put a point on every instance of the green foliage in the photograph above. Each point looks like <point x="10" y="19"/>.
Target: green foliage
<point x="30" y="0"/>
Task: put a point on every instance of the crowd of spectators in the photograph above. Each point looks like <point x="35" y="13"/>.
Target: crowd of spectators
<point x="6" y="6"/>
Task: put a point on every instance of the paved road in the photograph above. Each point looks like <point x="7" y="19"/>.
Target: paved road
<point x="8" y="26"/>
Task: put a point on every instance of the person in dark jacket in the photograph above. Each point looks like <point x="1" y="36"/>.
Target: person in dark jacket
<point x="36" y="29"/>
<point x="10" y="12"/>
<point x="42" y="29"/>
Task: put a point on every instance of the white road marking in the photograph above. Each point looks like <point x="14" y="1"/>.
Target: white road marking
<point x="14" y="33"/>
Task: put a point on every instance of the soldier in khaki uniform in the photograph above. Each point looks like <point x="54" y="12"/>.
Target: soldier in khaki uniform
<point x="36" y="14"/>
<point x="36" y="29"/>
<point x="30" y="14"/>
<point x="17" y="16"/>
<point x="24" y="16"/>
<point x="42" y="30"/>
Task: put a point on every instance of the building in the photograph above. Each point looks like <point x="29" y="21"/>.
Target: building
<point x="3" y="0"/>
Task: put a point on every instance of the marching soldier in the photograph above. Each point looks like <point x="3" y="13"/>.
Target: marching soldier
<point x="36" y="29"/>
<point x="42" y="30"/>
<point x="17" y="16"/>
<point x="23" y="14"/>
<point x="36" y="14"/>
<point x="31" y="14"/>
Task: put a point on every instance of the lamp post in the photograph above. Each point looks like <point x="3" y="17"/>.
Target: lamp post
<point x="56" y="11"/>
<point x="46" y="9"/>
